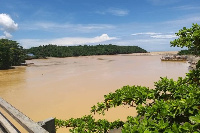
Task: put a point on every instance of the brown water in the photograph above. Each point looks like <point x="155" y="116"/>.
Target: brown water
<point x="68" y="87"/>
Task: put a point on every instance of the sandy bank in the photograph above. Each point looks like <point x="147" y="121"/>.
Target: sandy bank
<point x="155" y="53"/>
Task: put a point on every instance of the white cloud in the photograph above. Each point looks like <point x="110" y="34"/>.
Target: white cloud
<point x="163" y="36"/>
<point x="27" y="43"/>
<point x="115" y="12"/>
<point x="188" y="20"/>
<point x="149" y="44"/>
<point x="118" y="12"/>
<point x="80" y="40"/>
<point x="7" y="25"/>
<point x="163" y="2"/>
<point x="7" y="34"/>
<point x="156" y="35"/>
<point x="146" y="33"/>
<point x="50" y="26"/>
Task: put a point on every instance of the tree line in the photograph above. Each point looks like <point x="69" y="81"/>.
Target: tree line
<point x="12" y="54"/>
<point x="86" y="50"/>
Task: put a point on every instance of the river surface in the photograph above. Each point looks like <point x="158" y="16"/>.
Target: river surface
<point x="68" y="87"/>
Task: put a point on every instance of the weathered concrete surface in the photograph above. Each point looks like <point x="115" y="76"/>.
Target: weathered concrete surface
<point x="48" y="124"/>
<point x="6" y="126"/>
<point x="22" y="119"/>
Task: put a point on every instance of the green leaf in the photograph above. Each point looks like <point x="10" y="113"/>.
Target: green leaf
<point x="195" y="119"/>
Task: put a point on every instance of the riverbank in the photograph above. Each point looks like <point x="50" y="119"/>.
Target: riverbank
<point x="192" y="60"/>
<point x="155" y="53"/>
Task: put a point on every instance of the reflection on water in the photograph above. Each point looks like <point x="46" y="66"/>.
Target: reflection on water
<point x="68" y="87"/>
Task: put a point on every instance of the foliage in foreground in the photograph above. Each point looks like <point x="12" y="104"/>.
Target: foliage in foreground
<point x="186" y="52"/>
<point x="171" y="107"/>
<point x="190" y="38"/>
<point x="89" y="124"/>
<point x="11" y="54"/>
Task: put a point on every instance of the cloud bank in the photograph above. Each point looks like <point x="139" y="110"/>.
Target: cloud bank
<point x="80" y="40"/>
<point x="164" y="36"/>
<point x="115" y="12"/>
<point x="7" y="25"/>
<point x="27" y="43"/>
<point x="145" y="33"/>
<point x="163" y="2"/>
<point x="156" y="35"/>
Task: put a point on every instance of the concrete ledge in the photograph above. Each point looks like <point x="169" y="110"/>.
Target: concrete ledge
<point x="48" y="124"/>
<point x="6" y="126"/>
<point x="22" y="119"/>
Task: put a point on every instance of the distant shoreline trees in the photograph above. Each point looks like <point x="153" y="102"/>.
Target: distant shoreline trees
<point x="86" y="50"/>
<point x="12" y="54"/>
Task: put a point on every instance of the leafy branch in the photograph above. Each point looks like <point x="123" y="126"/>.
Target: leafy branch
<point x="88" y="124"/>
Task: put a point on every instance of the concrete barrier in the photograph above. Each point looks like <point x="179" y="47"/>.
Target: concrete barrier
<point x="47" y="126"/>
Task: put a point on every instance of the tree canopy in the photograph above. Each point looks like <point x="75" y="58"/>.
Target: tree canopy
<point x="11" y="54"/>
<point x="190" y="38"/>
<point x="86" y="50"/>
<point x="171" y="107"/>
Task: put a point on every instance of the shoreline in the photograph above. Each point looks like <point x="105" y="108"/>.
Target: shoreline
<point x="132" y="54"/>
<point x="164" y="52"/>
<point x="153" y="53"/>
<point x="137" y="54"/>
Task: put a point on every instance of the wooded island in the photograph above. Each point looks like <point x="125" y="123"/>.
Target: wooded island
<point x="86" y="50"/>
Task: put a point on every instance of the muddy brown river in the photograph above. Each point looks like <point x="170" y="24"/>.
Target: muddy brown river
<point x="68" y="87"/>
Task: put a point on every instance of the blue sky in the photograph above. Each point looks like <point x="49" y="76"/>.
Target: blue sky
<point x="150" y="24"/>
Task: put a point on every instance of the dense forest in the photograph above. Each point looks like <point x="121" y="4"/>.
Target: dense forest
<point x="11" y="54"/>
<point x="69" y="51"/>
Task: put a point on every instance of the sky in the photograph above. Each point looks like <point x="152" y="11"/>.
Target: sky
<point x="149" y="24"/>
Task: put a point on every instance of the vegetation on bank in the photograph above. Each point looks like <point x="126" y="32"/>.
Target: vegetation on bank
<point x="172" y="107"/>
<point x="190" y="38"/>
<point x="70" y="51"/>
<point x="11" y="54"/>
<point x="189" y="51"/>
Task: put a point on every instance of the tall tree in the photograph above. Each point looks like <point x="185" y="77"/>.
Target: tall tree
<point x="188" y="37"/>
<point x="11" y="54"/>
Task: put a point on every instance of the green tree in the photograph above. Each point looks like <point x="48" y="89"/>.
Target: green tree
<point x="11" y="54"/>
<point x="190" y="38"/>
